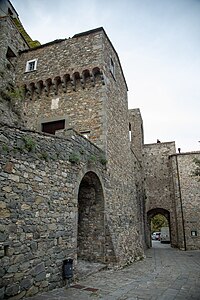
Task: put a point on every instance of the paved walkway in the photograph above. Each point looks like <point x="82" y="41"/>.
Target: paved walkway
<point x="165" y="274"/>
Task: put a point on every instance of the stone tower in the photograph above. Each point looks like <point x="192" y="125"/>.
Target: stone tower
<point x="79" y="83"/>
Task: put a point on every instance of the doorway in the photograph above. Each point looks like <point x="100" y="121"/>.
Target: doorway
<point x="158" y="227"/>
<point x="91" y="238"/>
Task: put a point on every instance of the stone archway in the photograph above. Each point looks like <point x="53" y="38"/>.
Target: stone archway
<point x="152" y="213"/>
<point x="91" y="237"/>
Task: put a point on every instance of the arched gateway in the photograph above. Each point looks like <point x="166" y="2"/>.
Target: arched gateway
<point x="91" y="238"/>
<point x="152" y="213"/>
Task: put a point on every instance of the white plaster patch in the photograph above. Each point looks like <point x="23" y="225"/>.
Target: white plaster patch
<point x="54" y="103"/>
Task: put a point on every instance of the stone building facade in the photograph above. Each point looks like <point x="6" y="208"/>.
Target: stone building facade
<point x="186" y="193"/>
<point x="173" y="191"/>
<point x="76" y="179"/>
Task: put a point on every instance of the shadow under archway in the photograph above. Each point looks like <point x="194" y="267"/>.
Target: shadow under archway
<point x="150" y="215"/>
<point x="91" y="237"/>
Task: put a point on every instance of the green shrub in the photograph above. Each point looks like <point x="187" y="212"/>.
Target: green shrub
<point x="30" y="144"/>
<point x="103" y="160"/>
<point x="74" y="158"/>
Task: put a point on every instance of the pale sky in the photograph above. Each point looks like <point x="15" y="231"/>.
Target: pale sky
<point x="158" y="43"/>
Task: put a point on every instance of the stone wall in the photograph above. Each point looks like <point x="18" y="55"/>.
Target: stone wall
<point x="158" y="184"/>
<point x="55" y="204"/>
<point x="11" y="42"/>
<point x="41" y="179"/>
<point x="123" y="202"/>
<point x="187" y="196"/>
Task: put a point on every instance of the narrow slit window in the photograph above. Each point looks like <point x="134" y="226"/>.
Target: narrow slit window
<point x="130" y="132"/>
<point x="112" y="67"/>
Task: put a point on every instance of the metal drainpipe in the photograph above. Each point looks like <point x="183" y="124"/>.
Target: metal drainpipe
<point x="181" y="202"/>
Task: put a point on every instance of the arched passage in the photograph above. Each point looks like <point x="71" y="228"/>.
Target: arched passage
<point x="91" y="239"/>
<point x="151" y="214"/>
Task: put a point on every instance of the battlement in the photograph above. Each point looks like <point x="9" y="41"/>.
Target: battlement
<point x="64" y="84"/>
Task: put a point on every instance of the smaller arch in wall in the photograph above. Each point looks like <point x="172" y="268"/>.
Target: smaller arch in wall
<point x="96" y="71"/>
<point x="98" y="75"/>
<point x="86" y="74"/>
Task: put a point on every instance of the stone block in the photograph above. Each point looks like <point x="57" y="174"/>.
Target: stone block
<point x="18" y="258"/>
<point x="12" y="290"/>
<point x="3" y="237"/>
<point x="40" y="276"/>
<point x="32" y="291"/>
<point x="1" y="252"/>
<point x="19" y="296"/>
<point x="13" y="269"/>
<point x="2" y="290"/>
<point x="26" y="283"/>
<point x="38" y="269"/>
<point x="13" y="177"/>
<point x="8" y="167"/>
<point x="2" y="272"/>
<point x="2" y="205"/>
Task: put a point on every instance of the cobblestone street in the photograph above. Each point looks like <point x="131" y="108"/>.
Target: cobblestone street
<point x="165" y="274"/>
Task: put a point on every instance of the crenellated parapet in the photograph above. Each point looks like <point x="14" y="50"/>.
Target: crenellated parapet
<point x="64" y="84"/>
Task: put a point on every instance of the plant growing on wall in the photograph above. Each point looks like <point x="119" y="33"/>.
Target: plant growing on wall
<point x="30" y="144"/>
<point x="16" y="94"/>
<point x="74" y="158"/>
<point x="92" y="159"/>
<point x="103" y="160"/>
<point x="14" y="97"/>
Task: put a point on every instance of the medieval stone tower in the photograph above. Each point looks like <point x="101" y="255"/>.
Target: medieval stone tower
<point x="75" y="183"/>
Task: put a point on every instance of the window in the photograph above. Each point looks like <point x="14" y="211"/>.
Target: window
<point x="193" y="233"/>
<point x="31" y="65"/>
<point x="85" y="134"/>
<point x="52" y="127"/>
<point x="10" y="54"/>
<point x="112" y="67"/>
<point x="130" y="133"/>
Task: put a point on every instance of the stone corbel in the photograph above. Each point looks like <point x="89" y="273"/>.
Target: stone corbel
<point x="55" y="87"/>
<point x="82" y="81"/>
<point x="102" y="78"/>
<point x="92" y="79"/>
<point x="73" y="83"/>
<point x="64" y="86"/>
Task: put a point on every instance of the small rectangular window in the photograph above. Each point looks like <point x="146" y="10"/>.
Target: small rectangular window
<point x="193" y="233"/>
<point x="130" y="133"/>
<point x="31" y="65"/>
<point x="52" y="127"/>
<point x="85" y="133"/>
<point x="112" y="67"/>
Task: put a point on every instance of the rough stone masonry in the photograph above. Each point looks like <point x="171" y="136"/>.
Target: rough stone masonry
<point x="76" y="180"/>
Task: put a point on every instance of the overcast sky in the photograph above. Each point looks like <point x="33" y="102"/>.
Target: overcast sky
<point x="158" y="43"/>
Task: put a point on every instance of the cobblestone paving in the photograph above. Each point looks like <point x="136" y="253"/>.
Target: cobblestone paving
<point x="165" y="274"/>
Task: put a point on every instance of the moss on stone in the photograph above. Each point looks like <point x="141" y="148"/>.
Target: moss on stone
<point x="31" y="43"/>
